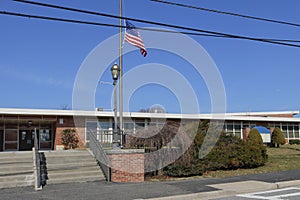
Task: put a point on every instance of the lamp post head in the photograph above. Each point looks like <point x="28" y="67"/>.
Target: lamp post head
<point x="115" y="71"/>
<point x="29" y="123"/>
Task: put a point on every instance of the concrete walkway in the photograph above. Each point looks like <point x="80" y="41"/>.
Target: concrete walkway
<point x="203" y="188"/>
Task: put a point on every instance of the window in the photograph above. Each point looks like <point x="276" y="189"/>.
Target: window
<point x="284" y="130"/>
<point x="291" y="131"/>
<point x="140" y="124"/>
<point x="277" y="125"/>
<point x="237" y="129"/>
<point x="229" y="127"/>
<point x="104" y="125"/>
<point x="248" y="125"/>
<point x="129" y="126"/>
<point x="45" y="135"/>
<point x="296" y="129"/>
<point x="91" y="127"/>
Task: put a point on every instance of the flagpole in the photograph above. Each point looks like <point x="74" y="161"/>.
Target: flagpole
<point x="121" y="74"/>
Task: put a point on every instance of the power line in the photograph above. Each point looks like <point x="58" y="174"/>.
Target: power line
<point x="226" y="13"/>
<point x="157" y="23"/>
<point x="101" y="24"/>
<point x="118" y="26"/>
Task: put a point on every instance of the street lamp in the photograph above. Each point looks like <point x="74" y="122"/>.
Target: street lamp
<point x="115" y="71"/>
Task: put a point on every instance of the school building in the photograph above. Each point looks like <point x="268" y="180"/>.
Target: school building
<point x="18" y="126"/>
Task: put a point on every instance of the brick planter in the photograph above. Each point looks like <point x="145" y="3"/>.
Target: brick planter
<point x="127" y="165"/>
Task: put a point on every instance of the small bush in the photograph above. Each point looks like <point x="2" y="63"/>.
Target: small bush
<point x="175" y="170"/>
<point x="258" y="149"/>
<point x="69" y="139"/>
<point x="277" y="138"/>
<point x="254" y="137"/>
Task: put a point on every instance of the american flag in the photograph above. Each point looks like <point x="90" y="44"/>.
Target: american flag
<point x="132" y="36"/>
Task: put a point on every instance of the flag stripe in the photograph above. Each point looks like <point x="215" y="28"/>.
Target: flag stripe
<point x="133" y="37"/>
<point x="134" y="42"/>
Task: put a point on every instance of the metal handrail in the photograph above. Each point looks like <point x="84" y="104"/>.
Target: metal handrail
<point x="100" y="155"/>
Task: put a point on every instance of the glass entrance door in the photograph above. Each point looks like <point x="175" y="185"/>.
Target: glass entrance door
<point x="26" y="140"/>
<point x="1" y="140"/>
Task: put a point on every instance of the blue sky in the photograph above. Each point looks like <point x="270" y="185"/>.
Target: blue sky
<point x="40" y="59"/>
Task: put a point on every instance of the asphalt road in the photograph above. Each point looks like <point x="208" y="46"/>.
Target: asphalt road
<point x="124" y="191"/>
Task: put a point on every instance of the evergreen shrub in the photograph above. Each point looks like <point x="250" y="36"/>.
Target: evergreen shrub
<point x="229" y="153"/>
<point x="69" y="138"/>
<point x="277" y="137"/>
<point x="294" y="142"/>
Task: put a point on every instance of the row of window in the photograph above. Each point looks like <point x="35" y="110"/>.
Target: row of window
<point x="291" y="131"/>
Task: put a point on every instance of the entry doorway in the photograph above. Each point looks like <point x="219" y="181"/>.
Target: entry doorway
<point x="26" y="140"/>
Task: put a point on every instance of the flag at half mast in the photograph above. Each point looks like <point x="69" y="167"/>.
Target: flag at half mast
<point x="132" y="36"/>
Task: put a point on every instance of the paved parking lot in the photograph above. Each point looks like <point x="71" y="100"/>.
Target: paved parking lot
<point x="162" y="190"/>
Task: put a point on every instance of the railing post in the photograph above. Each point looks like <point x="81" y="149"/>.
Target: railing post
<point x="36" y="164"/>
<point x="36" y="170"/>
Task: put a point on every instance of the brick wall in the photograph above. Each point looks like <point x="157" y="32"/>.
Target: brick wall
<point x="246" y="132"/>
<point x="64" y="122"/>
<point x="288" y="115"/>
<point x="127" y="165"/>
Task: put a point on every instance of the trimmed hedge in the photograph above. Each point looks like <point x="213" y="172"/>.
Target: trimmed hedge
<point x="294" y="141"/>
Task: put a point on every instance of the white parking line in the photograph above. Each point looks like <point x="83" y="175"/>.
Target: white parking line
<point x="262" y="195"/>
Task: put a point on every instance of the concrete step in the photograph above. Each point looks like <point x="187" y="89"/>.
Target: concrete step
<point x="17" y="178"/>
<point x="17" y="166"/>
<point x="72" y="159"/>
<point x="16" y="171"/>
<point x="19" y="161"/>
<point x="72" y="166"/>
<point x="13" y="184"/>
<point x="68" y="153"/>
<point x="77" y="174"/>
<point x="16" y="155"/>
<point x="75" y="179"/>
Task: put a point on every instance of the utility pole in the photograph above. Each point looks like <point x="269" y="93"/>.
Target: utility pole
<point x="121" y="74"/>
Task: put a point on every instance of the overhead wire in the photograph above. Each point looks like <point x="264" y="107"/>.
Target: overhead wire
<point x="100" y="24"/>
<point x="123" y="26"/>
<point x="226" y="13"/>
<point x="160" y="24"/>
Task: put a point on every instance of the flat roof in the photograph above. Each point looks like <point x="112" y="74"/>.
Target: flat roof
<point x="244" y="116"/>
<point x="266" y="113"/>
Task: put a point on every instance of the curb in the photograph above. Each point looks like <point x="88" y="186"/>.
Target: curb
<point x="285" y="184"/>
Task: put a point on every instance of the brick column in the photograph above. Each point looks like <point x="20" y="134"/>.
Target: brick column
<point x="127" y="165"/>
<point x="246" y="132"/>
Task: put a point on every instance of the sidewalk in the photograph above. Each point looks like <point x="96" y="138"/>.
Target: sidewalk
<point x="203" y="188"/>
